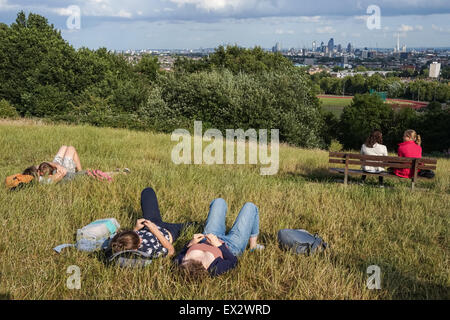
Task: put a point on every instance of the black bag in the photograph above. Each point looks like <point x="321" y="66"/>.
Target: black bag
<point x="426" y="174"/>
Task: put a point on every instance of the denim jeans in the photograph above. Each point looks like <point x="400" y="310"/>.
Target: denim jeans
<point x="245" y="226"/>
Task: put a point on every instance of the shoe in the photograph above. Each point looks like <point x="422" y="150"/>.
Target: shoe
<point x="258" y="247"/>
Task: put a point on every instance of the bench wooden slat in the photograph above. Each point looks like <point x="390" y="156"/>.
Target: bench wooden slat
<point x="354" y="172"/>
<point x="372" y="164"/>
<point x="342" y="155"/>
<point x="427" y="167"/>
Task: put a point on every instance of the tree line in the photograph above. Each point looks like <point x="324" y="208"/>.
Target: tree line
<point x="42" y="75"/>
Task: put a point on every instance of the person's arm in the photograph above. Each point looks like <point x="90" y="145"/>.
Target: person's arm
<point x="60" y="173"/>
<point x="158" y="234"/>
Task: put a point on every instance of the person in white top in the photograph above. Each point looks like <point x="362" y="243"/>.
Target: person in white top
<point x="374" y="147"/>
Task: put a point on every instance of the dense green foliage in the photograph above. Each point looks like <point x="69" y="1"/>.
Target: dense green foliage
<point x="44" y="76"/>
<point x="368" y="112"/>
<point x="416" y="90"/>
<point x="7" y="110"/>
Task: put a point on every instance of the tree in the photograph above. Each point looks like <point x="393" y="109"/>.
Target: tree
<point x="365" y="113"/>
<point x="148" y="66"/>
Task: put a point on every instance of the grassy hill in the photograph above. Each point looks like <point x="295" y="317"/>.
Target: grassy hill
<point x="405" y="234"/>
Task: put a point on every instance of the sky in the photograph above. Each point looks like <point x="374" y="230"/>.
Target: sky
<point x="191" y="24"/>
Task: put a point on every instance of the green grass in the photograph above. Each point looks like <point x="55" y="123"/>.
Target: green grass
<point x="405" y="233"/>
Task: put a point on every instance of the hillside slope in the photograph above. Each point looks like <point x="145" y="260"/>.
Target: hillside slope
<point x="405" y="234"/>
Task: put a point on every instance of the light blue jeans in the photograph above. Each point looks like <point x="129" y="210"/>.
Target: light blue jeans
<point x="245" y="226"/>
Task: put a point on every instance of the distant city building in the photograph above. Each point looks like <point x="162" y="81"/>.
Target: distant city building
<point x="435" y="69"/>
<point x="349" y="48"/>
<point x="331" y="45"/>
<point x="365" y="54"/>
<point x="314" y="46"/>
<point x="276" y="48"/>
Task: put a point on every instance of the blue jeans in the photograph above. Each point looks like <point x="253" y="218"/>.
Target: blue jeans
<point x="245" y="226"/>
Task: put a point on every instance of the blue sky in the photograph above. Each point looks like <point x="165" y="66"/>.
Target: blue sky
<point x="133" y="24"/>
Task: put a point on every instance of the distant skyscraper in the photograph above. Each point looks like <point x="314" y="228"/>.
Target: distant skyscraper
<point x="276" y="48"/>
<point x="398" y="42"/>
<point x="339" y="48"/>
<point x="314" y="46"/>
<point x="435" y="69"/>
<point x="331" y="45"/>
<point x="349" y="47"/>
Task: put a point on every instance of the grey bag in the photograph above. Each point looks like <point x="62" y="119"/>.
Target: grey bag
<point x="131" y="258"/>
<point x="300" y="241"/>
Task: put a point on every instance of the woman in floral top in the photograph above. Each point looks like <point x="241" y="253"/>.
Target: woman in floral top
<point x="151" y="234"/>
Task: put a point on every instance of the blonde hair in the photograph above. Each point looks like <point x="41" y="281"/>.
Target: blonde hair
<point x="413" y="136"/>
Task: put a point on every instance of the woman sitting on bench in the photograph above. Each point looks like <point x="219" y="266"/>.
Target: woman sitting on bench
<point x="410" y="148"/>
<point x="374" y="147"/>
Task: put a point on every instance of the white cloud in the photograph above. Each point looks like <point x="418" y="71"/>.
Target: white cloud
<point x="313" y="19"/>
<point x="326" y="29"/>
<point x="440" y="29"/>
<point x="210" y="5"/>
<point x="405" y="28"/>
<point x="282" y="31"/>
<point x="5" y="6"/>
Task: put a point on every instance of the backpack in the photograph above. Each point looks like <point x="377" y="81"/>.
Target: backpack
<point x="131" y="258"/>
<point x="300" y="241"/>
<point x="94" y="236"/>
<point x="16" y="180"/>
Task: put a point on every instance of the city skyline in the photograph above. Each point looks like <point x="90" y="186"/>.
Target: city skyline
<point x="179" y="24"/>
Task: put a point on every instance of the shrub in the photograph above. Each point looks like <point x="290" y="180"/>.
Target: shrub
<point x="7" y="110"/>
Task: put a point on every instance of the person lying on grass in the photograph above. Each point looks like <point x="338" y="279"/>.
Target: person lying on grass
<point x="65" y="166"/>
<point x="215" y="252"/>
<point x="151" y="234"/>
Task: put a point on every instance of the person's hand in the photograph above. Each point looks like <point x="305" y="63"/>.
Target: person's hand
<point x="213" y="240"/>
<point x="139" y="224"/>
<point x="196" y="239"/>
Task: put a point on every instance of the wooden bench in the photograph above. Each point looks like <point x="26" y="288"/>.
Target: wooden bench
<point x="349" y="159"/>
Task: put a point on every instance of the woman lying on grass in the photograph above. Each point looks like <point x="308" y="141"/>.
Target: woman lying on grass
<point x="65" y="166"/>
<point x="214" y="252"/>
<point x="151" y="234"/>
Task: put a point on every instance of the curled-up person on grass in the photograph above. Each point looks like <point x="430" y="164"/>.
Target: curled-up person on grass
<point x="65" y="167"/>
<point x="214" y="252"/>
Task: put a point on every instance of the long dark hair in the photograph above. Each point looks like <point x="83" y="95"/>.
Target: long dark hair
<point x="46" y="168"/>
<point x="375" y="137"/>
<point x="31" y="171"/>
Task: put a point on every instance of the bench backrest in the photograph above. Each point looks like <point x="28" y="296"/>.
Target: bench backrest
<point x="381" y="161"/>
